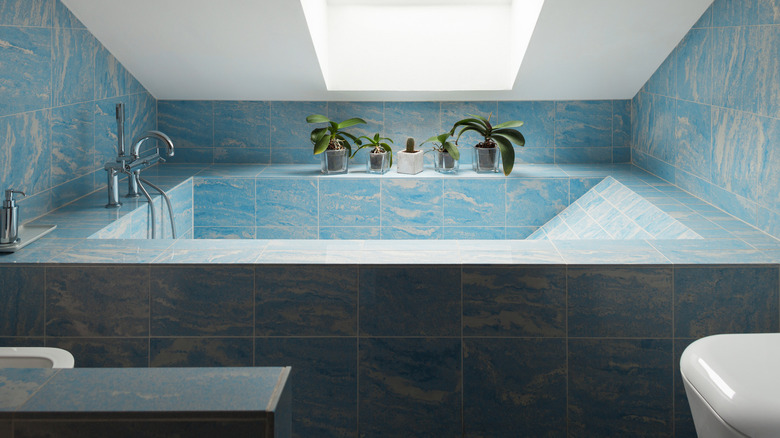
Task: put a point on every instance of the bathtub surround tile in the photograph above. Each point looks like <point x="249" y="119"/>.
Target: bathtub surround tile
<point x="406" y="382"/>
<point x="106" y="352"/>
<point x="242" y="124"/>
<point x="419" y="120"/>
<point x="189" y="123"/>
<point x="683" y="419"/>
<point x="324" y="372"/>
<point x="614" y="301"/>
<point x="411" y="233"/>
<point x="19" y="385"/>
<point x="620" y="386"/>
<point x="412" y="202"/>
<point x="224" y="202"/>
<point x="481" y="233"/>
<point x="72" y="143"/>
<point x="201" y="352"/>
<point x="27" y="153"/>
<point x="286" y="203"/>
<point x="211" y="232"/>
<point x="26" y="13"/>
<point x="73" y="69"/>
<point x="474" y="202"/>
<point x="294" y="232"/>
<point x="306" y="300"/>
<point x="191" y="301"/>
<point x="694" y="66"/>
<point x="538" y="119"/>
<point x="290" y="132"/>
<point x="514" y="387"/>
<point x="112" y="78"/>
<point x="353" y="202"/>
<point x="693" y="132"/>
<point x="207" y="255"/>
<point x="374" y="115"/>
<point x="349" y="233"/>
<point x="97" y="301"/>
<point x="510" y="301"/>
<point x="583" y="124"/>
<point x="711" y="300"/>
<point x="421" y="301"/>
<point x="23" y="295"/>
<point x="26" y="69"/>
<point x="532" y="202"/>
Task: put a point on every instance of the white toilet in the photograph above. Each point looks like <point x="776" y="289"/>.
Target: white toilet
<point x="733" y="385"/>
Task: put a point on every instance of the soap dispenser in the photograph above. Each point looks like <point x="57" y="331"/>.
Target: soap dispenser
<point x="9" y="219"/>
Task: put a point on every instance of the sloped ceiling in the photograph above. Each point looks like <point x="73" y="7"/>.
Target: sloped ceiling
<point x="261" y="49"/>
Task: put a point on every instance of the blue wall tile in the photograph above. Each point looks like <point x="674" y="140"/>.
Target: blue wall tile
<point x="286" y="203"/>
<point x="621" y="123"/>
<point x="730" y="13"/>
<point x="620" y="302"/>
<point x="105" y="352"/>
<point x="242" y="125"/>
<point x="411" y="233"/>
<point x="324" y="372"/>
<point x="404" y="383"/>
<point x="409" y="301"/>
<point x="350" y="233"/>
<point x="111" y="77"/>
<point x="583" y="124"/>
<point x="190" y="124"/>
<point x="663" y="81"/>
<point x="514" y="386"/>
<point x="474" y="202"/>
<point x="74" y="55"/>
<point x="306" y="300"/>
<point x="192" y="301"/>
<point x="620" y="387"/>
<point x="201" y="352"/>
<point x="224" y="202"/>
<point x="372" y="112"/>
<point x="725" y="300"/>
<point x="26" y="69"/>
<point x="415" y="202"/>
<point x="349" y="202"/>
<point x="499" y="301"/>
<point x="26" y="154"/>
<point x="532" y="202"/>
<point x="694" y="66"/>
<point x="63" y="18"/>
<point x="470" y="233"/>
<point x="734" y="75"/>
<point x="693" y="132"/>
<point x="78" y="303"/>
<point x="582" y="155"/>
<point x="26" y="12"/>
<point x="289" y="129"/>
<point x="72" y="142"/>
<point x="538" y="119"/>
<point x="419" y="120"/>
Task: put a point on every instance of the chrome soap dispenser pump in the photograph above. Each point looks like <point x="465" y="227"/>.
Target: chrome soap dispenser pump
<point x="9" y="218"/>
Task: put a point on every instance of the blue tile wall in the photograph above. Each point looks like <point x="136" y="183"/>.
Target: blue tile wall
<point x="57" y="124"/>
<point x="707" y="120"/>
<point x="529" y="350"/>
<point x="276" y="132"/>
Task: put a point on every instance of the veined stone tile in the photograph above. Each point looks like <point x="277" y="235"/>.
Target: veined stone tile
<point x="288" y="232"/>
<point x="532" y="202"/>
<point x="74" y="56"/>
<point x="211" y="256"/>
<point x="212" y="232"/>
<point x="583" y="124"/>
<point x="111" y="77"/>
<point x="190" y="124"/>
<point x="224" y="202"/>
<point x="621" y="126"/>
<point x="242" y="124"/>
<point x="349" y="202"/>
<point x="539" y="122"/>
<point x="288" y="125"/>
<point x="23" y="290"/>
<point x="474" y="202"/>
<point x="20" y="384"/>
<point x="483" y="233"/>
<point x="583" y="155"/>
<point x="349" y="233"/>
<point x="26" y="13"/>
<point x="286" y="203"/>
<point x="63" y="18"/>
<point x="419" y="120"/>
<point x="240" y="155"/>
<point x="201" y="352"/>
<point x="27" y="154"/>
<point x="72" y="142"/>
<point x="694" y="66"/>
<point x="411" y="202"/>
<point x="372" y="112"/>
<point x="26" y="68"/>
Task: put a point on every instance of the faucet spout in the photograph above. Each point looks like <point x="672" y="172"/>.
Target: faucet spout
<point x="157" y="135"/>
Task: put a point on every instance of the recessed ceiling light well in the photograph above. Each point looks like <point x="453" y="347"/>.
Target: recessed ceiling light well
<point x="420" y="45"/>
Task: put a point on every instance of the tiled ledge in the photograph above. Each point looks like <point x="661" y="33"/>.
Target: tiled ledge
<point x="726" y="240"/>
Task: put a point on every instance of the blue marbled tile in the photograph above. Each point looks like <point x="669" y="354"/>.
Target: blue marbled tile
<point x="421" y="301"/>
<point x="349" y="233"/>
<point x="734" y="167"/>
<point x="324" y="379"/>
<point x="189" y="123"/>
<point x="26" y="13"/>
<point x="201" y="352"/>
<point x="202" y="301"/>
<point x="73" y="70"/>
<point x="291" y="155"/>
<point x="480" y="233"/>
<point x="23" y="293"/>
<point x="288" y="125"/>
<point x="532" y="202"/>
<point x="372" y="112"/>
<point x="451" y="112"/>
<point x="242" y="124"/>
<point x="514" y="386"/>
<point x="207" y="256"/>
<point x="111" y="352"/>
<point x="182" y="202"/>
<point x="211" y="232"/>
<point x="764" y="46"/>
<point x="705" y="20"/>
<point x="734" y="73"/>
<point x="64" y="18"/>
<point x="111" y="78"/>
<point x="499" y="301"/>
<point x="621" y="155"/>
<point x="725" y="300"/>
<point x="730" y="13"/>
<point x="539" y="122"/>
<point x="662" y="82"/>
<point x="26" y="69"/>
<point x="406" y="382"/>
<point x="419" y="120"/>
<point x="78" y="303"/>
<point x="349" y="202"/>
<point x="292" y="232"/>
<point x="641" y="122"/>
<point x="286" y="202"/>
<point x="620" y="387"/>
<point x="412" y="202"/>
<point x="411" y="233"/>
<point x="580" y="155"/>
<point x="306" y="300"/>
<point x="242" y="155"/>
<point x="532" y="155"/>
<point x="694" y="67"/>
<point x="693" y="135"/>
<point x="192" y="156"/>
<point x="223" y="202"/>
<point x="468" y="202"/>
<point x="141" y="116"/>
<point x="583" y="124"/>
<point x="621" y="123"/>
<point x="661" y="141"/>
<point x="768" y="221"/>
<point x="768" y="12"/>
<point x="229" y="171"/>
<point x="619" y="301"/>
<point x="19" y="385"/>
<point x="72" y="142"/>
<point x="580" y="186"/>
<point x="683" y="420"/>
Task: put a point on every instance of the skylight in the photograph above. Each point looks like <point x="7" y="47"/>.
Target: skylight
<point x="420" y="45"/>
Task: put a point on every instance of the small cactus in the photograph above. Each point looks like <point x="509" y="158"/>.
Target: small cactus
<point x="410" y="145"/>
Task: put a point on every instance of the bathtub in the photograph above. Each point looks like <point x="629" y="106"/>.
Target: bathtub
<point x="35" y="357"/>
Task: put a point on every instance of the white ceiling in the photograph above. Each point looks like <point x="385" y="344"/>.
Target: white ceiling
<point x="261" y="49"/>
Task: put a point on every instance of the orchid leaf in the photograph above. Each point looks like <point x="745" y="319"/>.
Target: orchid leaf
<point x="317" y="118"/>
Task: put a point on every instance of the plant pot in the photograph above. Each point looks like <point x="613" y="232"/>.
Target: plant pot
<point x="486" y="160"/>
<point x="335" y="161"/>
<point x="410" y="163"/>
<point x="444" y="162"/>
<point x="378" y="162"/>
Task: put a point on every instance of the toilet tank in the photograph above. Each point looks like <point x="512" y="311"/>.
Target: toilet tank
<point x="738" y="376"/>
